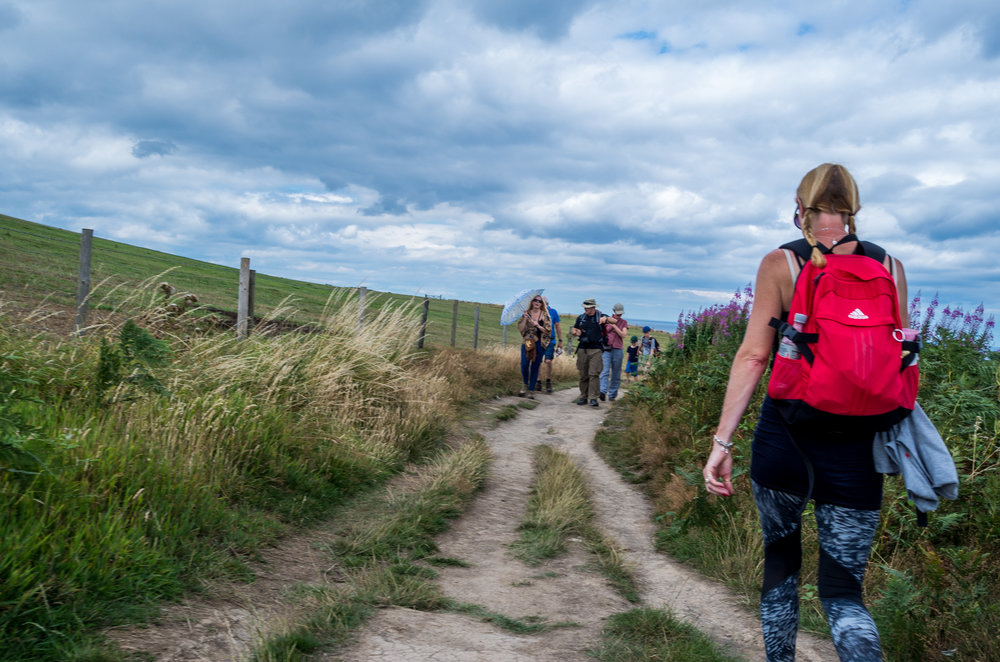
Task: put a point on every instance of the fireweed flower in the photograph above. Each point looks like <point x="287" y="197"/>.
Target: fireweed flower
<point x="929" y="316"/>
<point x="719" y="321"/>
<point x="967" y="329"/>
<point x="914" y="310"/>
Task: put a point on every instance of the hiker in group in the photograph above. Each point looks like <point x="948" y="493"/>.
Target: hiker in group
<point x="614" y="332"/>
<point x="844" y="484"/>
<point x="632" y="360"/>
<point x="650" y="347"/>
<point x="555" y="342"/>
<point x="536" y="332"/>
<point x="589" y="350"/>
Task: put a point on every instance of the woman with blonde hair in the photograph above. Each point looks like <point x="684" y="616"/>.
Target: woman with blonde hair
<point x="845" y="486"/>
<point x="536" y="332"/>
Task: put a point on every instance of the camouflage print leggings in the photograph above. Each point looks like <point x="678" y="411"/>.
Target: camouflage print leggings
<point x="845" y="539"/>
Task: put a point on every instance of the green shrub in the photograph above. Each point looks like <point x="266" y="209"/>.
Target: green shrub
<point x="126" y="367"/>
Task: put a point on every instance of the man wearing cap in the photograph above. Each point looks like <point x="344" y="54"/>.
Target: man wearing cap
<point x="615" y="330"/>
<point x="587" y="330"/>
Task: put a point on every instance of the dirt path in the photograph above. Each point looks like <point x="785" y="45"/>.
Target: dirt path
<point x="566" y="589"/>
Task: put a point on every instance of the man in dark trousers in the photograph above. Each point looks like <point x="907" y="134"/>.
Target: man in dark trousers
<point x="589" y="352"/>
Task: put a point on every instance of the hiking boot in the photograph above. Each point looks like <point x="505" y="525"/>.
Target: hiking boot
<point x="530" y="396"/>
<point x="612" y="397"/>
<point x="581" y="401"/>
<point x="548" y="385"/>
<point x="604" y="396"/>
<point x="524" y="389"/>
<point x="593" y="403"/>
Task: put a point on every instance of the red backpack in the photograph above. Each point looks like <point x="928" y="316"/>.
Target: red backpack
<point x="854" y="368"/>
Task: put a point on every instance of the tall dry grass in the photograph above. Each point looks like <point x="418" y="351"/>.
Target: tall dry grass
<point x="178" y="464"/>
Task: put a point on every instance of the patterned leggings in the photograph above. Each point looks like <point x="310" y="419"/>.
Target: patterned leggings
<point x="845" y="539"/>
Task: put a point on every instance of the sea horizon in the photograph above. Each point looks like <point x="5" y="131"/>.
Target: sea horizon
<point x="655" y="325"/>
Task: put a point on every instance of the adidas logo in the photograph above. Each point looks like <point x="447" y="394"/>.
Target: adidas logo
<point x="856" y="314"/>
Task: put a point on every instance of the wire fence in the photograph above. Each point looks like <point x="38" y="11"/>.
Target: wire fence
<point x="80" y="272"/>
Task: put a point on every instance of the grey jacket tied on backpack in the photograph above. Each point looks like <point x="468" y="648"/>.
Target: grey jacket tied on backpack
<point x="914" y="449"/>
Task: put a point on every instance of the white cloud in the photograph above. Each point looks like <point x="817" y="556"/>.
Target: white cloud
<point x="618" y="149"/>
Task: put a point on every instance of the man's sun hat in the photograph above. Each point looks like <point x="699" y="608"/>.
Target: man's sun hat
<point x="589" y="303"/>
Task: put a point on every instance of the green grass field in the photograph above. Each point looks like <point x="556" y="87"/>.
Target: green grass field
<point x="42" y="263"/>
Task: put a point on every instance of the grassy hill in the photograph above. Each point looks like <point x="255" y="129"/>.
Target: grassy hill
<point x="40" y="264"/>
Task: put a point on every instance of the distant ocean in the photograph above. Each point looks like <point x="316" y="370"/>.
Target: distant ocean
<point x="655" y="325"/>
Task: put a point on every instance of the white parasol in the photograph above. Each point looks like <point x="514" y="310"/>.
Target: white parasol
<point x="515" y="307"/>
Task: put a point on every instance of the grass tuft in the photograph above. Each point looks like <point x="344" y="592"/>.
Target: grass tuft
<point x="655" y="635"/>
<point x="560" y="507"/>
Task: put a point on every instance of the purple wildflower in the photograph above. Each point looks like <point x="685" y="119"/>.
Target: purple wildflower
<point x="914" y="310"/>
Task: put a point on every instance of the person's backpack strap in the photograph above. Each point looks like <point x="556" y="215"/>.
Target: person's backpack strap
<point x="874" y="251"/>
<point x="801" y="249"/>
<point x="878" y="254"/>
<point x="801" y="339"/>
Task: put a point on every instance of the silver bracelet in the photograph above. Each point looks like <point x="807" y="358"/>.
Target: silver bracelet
<point x="726" y="445"/>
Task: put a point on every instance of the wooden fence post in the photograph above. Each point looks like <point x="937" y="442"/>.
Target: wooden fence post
<point x="475" y="330"/>
<point x="454" y="322"/>
<point x="243" y="303"/>
<point x="250" y="298"/>
<point x="83" y="281"/>
<point x="423" y="324"/>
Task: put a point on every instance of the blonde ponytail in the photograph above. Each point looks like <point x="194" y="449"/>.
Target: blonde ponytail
<point x="817" y="257"/>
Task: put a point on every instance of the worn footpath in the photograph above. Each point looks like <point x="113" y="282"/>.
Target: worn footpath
<point x="567" y="590"/>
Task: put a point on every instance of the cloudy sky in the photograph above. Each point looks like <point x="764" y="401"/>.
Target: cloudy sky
<point x="631" y="150"/>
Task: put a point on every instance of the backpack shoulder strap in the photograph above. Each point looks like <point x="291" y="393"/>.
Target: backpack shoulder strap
<point x="801" y="249"/>
<point x="802" y="252"/>
<point x="878" y="254"/>
<point x="871" y="250"/>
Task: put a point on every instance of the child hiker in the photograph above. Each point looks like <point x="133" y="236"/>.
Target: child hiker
<point x="632" y="363"/>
